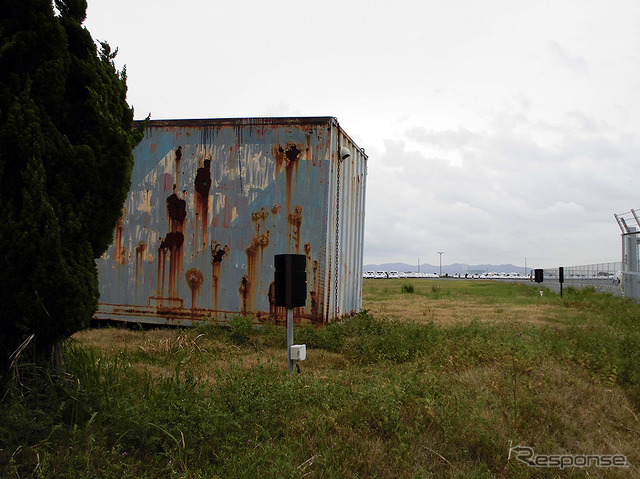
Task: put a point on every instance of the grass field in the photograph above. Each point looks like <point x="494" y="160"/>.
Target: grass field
<point x="436" y="379"/>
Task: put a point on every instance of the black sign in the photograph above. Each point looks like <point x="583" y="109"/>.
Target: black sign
<point x="538" y="275"/>
<point x="290" y="280"/>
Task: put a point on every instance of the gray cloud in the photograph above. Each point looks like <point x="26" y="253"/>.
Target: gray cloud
<point x="447" y="139"/>
<point x="514" y="196"/>
<point x="565" y="59"/>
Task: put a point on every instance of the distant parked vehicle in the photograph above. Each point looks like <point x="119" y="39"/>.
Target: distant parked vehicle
<point x="381" y="275"/>
<point x="430" y="275"/>
<point x="393" y="274"/>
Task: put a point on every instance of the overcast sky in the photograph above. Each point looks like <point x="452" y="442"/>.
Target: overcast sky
<point x="496" y="130"/>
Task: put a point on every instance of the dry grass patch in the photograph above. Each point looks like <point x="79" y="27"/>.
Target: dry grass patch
<point x="553" y="407"/>
<point x="117" y="339"/>
<point x="152" y="341"/>
<point x="446" y="312"/>
<point x="450" y="302"/>
<point x="158" y="352"/>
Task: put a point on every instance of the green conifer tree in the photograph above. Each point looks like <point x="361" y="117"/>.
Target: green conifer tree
<point x="66" y="143"/>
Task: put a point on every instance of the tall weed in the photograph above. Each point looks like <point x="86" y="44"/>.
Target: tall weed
<point x="374" y="340"/>
<point x="241" y="329"/>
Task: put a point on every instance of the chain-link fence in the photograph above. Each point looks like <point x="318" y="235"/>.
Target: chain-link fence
<point x="629" y="224"/>
<point x="619" y="278"/>
<point x="604" y="277"/>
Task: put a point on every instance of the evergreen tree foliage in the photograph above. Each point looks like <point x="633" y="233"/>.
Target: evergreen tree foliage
<point x="66" y="143"/>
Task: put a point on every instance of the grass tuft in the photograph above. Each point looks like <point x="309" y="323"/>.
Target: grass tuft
<point x="407" y="288"/>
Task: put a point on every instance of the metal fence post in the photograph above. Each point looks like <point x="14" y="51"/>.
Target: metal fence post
<point x="631" y="271"/>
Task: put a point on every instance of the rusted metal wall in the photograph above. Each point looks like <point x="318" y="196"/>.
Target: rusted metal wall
<point x="212" y="202"/>
<point x="346" y="229"/>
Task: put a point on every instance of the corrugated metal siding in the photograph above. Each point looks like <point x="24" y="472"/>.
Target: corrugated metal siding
<point x="345" y="224"/>
<point x="351" y="228"/>
<point x="212" y="202"/>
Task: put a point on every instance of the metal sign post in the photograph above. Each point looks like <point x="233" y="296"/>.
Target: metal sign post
<point x="538" y="274"/>
<point x="289" y="337"/>
<point x="290" y="283"/>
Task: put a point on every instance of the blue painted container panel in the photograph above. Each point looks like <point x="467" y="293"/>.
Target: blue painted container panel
<point x="212" y="202"/>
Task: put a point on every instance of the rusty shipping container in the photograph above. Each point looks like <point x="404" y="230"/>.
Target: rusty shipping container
<point x="213" y="201"/>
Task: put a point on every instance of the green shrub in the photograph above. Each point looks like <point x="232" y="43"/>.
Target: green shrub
<point x="240" y="329"/>
<point x="374" y="340"/>
<point x="407" y="288"/>
<point x="330" y="337"/>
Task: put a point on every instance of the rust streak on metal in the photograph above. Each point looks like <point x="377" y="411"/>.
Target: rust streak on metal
<point x="178" y="159"/>
<point x="258" y="218"/>
<point x="292" y="152"/>
<point x="173" y="242"/>
<point x="278" y="155"/>
<point x="314" y="294"/>
<point x="162" y="261"/>
<point x="289" y="158"/>
<point x="119" y="251"/>
<point x="275" y="209"/>
<point x="254" y="262"/>
<point x="314" y="306"/>
<point x="217" y="255"/>
<point x="173" y="310"/>
<point x="276" y="313"/>
<point x="140" y="252"/>
<point x="194" y="279"/>
<point x="243" y="290"/>
<point x="315" y="275"/>
<point x="177" y="211"/>
<point x="255" y="253"/>
<point x="295" y="221"/>
<point x="232" y="159"/>
<point x="202" y="186"/>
